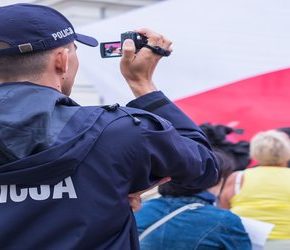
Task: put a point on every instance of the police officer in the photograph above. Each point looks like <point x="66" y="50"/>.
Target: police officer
<point x="65" y="170"/>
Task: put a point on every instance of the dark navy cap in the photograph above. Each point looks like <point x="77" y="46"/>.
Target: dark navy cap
<point x="31" y="28"/>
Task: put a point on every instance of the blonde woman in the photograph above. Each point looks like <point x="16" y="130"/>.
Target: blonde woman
<point x="263" y="193"/>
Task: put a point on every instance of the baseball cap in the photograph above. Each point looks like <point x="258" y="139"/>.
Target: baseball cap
<point x="31" y="28"/>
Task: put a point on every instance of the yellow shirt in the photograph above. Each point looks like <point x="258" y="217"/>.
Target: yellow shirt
<point x="265" y="196"/>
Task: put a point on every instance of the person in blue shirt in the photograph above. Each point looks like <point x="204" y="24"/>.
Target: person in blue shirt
<point x="181" y="219"/>
<point x="66" y="171"/>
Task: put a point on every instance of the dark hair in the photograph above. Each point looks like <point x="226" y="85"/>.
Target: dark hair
<point x="226" y="165"/>
<point x="230" y="156"/>
<point x="28" y="64"/>
<point x="239" y="152"/>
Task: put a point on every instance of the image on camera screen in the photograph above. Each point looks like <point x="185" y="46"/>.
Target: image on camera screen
<point x="111" y="49"/>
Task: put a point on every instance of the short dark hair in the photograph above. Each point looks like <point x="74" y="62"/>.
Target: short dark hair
<point x="29" y="64"/>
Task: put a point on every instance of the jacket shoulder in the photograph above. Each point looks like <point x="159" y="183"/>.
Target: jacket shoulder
<point x="114" y="113"/>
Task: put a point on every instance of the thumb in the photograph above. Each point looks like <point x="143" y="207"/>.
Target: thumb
<point x="128" y="49"/>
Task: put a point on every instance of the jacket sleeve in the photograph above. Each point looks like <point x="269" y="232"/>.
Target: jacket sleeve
<point x="179" y="150"/>
<point x="232" y="233"/>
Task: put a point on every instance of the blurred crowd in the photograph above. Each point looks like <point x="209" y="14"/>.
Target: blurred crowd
<point x="253" y="186"/>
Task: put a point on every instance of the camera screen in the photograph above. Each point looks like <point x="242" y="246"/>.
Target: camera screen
<point x="111" y="49"/>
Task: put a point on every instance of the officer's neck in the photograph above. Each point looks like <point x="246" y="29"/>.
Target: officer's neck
<point x="45" y="79"/>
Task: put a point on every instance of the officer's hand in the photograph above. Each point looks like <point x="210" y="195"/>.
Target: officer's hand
<point x="135" y="202"/>
<point x="135" y="198"/>
<point x="138" y="68"/>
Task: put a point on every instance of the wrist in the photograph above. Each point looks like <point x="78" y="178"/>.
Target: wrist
<point x="140" y="89"/>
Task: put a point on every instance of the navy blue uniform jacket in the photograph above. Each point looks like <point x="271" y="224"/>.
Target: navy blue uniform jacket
<point x="66" y="170"/>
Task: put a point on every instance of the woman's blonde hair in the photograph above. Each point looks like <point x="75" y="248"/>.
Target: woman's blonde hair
<point x="270" y="148"/>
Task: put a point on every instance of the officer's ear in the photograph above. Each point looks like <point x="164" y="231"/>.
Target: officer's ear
<point x="61" y="60"/>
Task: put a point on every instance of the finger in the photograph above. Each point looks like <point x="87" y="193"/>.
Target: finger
<point x="164" y="180"/>
<point x="154" y="38"/>
<point x="135" y="203"/>
<point x="160" y="182"/>
<point x="128" y="50"/>
<point x="145" y="32"/>
<point x="167" y="44"/>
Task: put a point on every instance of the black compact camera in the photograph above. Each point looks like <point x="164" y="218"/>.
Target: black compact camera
<point x="114" y="49"/>
<point x="139" y="40"/>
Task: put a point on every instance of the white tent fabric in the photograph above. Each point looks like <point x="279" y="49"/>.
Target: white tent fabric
<point x="214" y="42"/>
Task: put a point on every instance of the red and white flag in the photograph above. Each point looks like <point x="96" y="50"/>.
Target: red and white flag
<point x="229" y="63"/>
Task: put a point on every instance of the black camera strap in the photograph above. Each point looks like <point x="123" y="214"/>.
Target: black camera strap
<point x="158" y="50"/>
